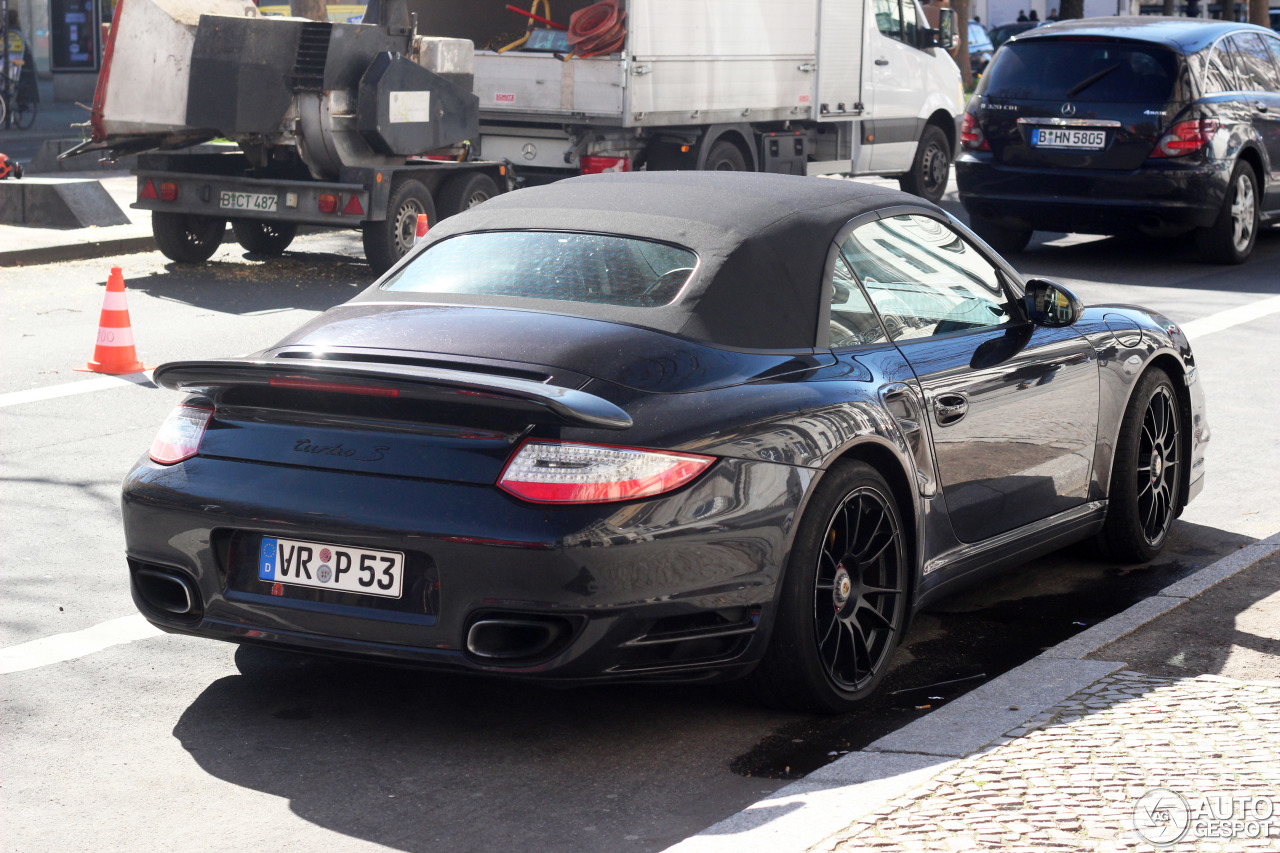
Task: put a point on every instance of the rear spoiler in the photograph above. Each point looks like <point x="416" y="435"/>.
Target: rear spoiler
<point x="540" y="402"/>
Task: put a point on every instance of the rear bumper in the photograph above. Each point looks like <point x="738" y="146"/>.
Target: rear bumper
<point x="679" y="587"/>
<point x="1163" y="198"/>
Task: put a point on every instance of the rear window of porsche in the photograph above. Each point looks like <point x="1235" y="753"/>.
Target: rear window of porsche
<point x="1084" y="69"/>
<point x="602" y="269"/>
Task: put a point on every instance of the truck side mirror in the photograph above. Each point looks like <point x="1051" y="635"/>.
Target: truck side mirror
<point x="945" y="35"/>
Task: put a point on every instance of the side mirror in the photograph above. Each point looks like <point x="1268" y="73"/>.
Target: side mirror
<point x="1050" y="304"/>
<point x="948" y="25"/>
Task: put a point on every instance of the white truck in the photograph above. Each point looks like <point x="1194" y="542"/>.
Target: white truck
<point x="367" y="125"/>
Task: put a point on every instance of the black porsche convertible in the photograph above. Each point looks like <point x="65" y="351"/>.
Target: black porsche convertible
<point x="664" y="426"/>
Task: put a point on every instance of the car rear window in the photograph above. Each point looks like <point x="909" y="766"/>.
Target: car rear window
<point x="594" y="268"/>
<point x="1081" y="69"/>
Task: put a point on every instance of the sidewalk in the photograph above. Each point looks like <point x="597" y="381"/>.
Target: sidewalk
<point x="1127" y="726"/>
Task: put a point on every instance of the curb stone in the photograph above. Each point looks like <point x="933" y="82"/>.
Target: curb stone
<point x="806" y="813"/>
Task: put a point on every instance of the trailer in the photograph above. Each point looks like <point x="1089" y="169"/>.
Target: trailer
<point x="367" y="125"/>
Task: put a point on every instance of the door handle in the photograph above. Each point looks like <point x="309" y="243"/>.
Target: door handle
<point x="882" y="62"/>
<point x="949" y="408"/>
<point x="1260" y="106"/>
<point x="807" y="67"/>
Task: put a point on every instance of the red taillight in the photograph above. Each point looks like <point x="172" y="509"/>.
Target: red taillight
<point x="180" y="434"/>
<point x="971" y="134"/>
<point x="327" y="202"/>
<point x="304" y="384"/>
<point x="1186" y="137"/>
<point x="148" y="191"/>
<point x="168" y="191"/>
<point x="353" y="206"/>
<point x="595" y="165"/>
<point x="563" y="473"/>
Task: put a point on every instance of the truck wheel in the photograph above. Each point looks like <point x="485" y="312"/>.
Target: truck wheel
<point x="264" y="238"/>
<point x="465" y="191"/>
<point x="388" y="241"/>
<point x="187" y="238"/>
<point x="725" y="157"/>
<point x="1230" y="239"/>
<point x="931" y="167"/>
<point x="1006" y="241"/>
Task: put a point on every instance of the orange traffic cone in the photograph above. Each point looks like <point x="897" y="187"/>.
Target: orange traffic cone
<point x="422" y="228"/>
<point x="114" y="353"/>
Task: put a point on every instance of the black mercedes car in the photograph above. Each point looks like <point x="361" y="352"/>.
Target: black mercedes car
<point x="1121" y="125"/>
<point x="666" y="426"/>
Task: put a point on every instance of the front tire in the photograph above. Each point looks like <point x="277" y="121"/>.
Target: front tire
<point x="187" y="238"/>
<point x="843" y="604"/>
<point x="931" y="167"/>
<point x="386" y="242"/>
<point x="264" y="238"/>
<point x="1230" y="239"/>
<point x="1146" y="475"/>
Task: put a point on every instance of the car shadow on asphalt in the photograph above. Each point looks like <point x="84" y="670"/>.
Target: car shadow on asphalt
<point x="310" y="281"/>
<point x="424" y="761"/>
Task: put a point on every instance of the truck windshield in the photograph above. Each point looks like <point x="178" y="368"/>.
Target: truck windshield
<point x="595" y="268"/>
<point x="1091" y="70"/>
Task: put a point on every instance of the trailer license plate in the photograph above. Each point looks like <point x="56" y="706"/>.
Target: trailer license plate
<point x="248" y="201"/>
<point x="321" y="566"/>
<point x="1089" y="140"/>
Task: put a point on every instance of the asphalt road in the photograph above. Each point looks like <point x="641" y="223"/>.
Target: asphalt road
<point x="182" y="744"/>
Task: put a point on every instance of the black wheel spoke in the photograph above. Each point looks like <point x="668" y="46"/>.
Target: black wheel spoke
<point x="876" y="616"/>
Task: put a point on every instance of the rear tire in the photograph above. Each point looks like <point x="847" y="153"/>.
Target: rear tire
<point x="1146" y="474"/>
<point x="1006" y="241"/>
<point x="724" y="156"/>
<point x="1230" y="239"/>
<point x="386" y="242"/>
<point x="463" y="192"/>
<point x="842" y="608"/>
<point x="264" y="238"/>
<point x="187" y="238"/>
<point x="931" y="167"/>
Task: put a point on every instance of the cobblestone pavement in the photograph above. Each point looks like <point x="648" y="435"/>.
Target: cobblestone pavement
<point x="1068" y="780"/>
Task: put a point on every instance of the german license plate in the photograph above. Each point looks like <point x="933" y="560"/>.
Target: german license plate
<point x="261" y="202"/>
<point x="1053" y="137"/>
<point x="321" y="566"/>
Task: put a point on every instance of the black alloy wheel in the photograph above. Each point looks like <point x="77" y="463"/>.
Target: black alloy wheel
<point x="264" y="238"/>
<point x="931" y="167"/>
<point x="844" y="599"/>
<point x="187" y="238"/>
<point x="1230" y="239"/>
<point x="1146" y="477"/>
<point x="389" y="240"/>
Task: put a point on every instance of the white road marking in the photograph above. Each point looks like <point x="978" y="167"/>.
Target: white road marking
<point x="1230" y="317"/>
<point x="76" y="644"/>
<point x="67" y="389"/>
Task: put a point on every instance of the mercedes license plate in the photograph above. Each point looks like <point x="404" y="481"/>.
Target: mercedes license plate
<point x="262" y="202"/>
<point x="321" y="566"/>
<point x="1053" y="137"/>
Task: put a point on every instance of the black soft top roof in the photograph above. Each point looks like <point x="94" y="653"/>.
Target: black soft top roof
<point x="762" y="243"/>
<point x="1184" y="34"/>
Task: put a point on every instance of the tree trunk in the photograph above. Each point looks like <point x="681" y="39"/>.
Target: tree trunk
<point x="960" y="53"/>
<point x="1259" y="13"/>
<point x="1071" y="9"/>
<point x="1170" y="8"/>
<point x="1228" y="10"/>
<point x="312" y="10"/>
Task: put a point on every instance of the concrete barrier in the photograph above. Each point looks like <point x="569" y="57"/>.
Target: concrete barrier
<point x="58" y="203"/>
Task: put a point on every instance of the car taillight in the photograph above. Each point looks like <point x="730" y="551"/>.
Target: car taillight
<point x="327" y="202"/>
<point x="971" y="134"/>
<point x="180" y="434"/>
<point x="1186" y="137"/>
<point x="168" y="191"/>
<point x="563" y="473"/>
<point x="595" y="165"/>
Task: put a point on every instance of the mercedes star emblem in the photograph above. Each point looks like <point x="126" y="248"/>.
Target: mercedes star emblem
<point x="1068" y="109"/>
<point x="530" y="151"/>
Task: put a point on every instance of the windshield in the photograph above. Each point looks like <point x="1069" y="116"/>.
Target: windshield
<point x="593" y="268"/>
<point x="1091" y="70"/>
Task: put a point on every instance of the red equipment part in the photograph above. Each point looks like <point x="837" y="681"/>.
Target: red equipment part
<point x="597" y="29"/>
<point x="9" y="168"/>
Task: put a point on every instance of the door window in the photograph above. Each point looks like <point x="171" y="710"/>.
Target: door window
<point x="925" y="279"/>
<point x="1253" y="63"/>
<point x="853" y="323"/>
<point x="889" y="18"/>
<point x="1218" y="74"/>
